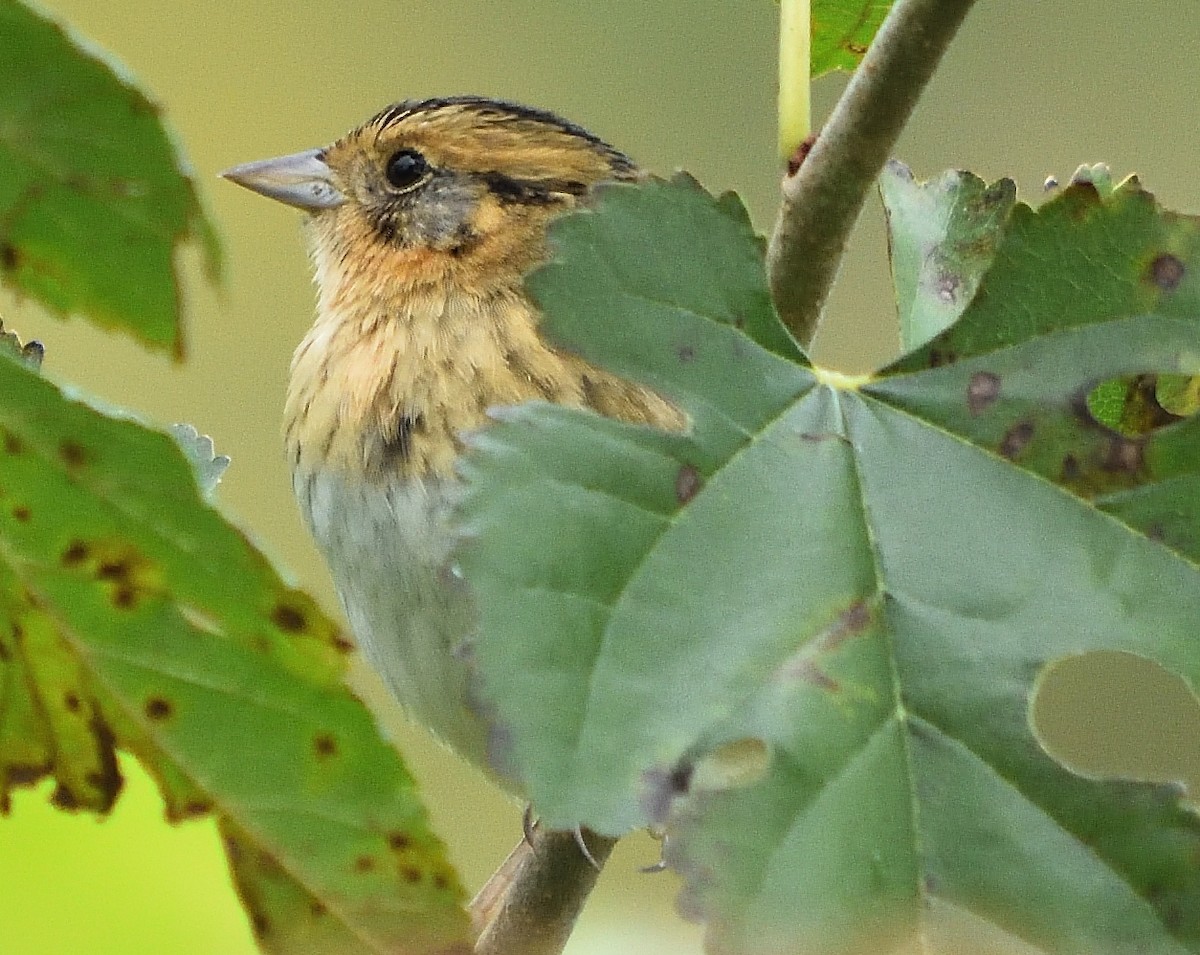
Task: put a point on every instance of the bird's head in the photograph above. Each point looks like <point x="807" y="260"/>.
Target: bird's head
<point x="451" y="191"/>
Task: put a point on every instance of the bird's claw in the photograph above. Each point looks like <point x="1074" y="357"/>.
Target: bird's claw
<point x="529" y="827"/>
<point x="583" y="848"/>
<point x="528" y="824"/>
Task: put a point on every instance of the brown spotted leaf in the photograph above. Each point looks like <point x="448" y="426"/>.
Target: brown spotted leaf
<point x="942" y="235"/>
<point x="133" y="616"/>
<point x="805" y="634"/>
<point x="94" y="196"/>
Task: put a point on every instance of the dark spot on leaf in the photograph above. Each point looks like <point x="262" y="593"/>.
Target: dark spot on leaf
<point x="1016" y="439"/>
<point x="739" y="322"/>
<point x="341" y="644"/>
<point x="71" y="701"/>
<point x="109" y="773"/>
<point x="13" y="444"/>
<point x="809" y="672"/>
<point x="196" y="808"/>
<point x="1070" y="469"/>
<point x="232" y="849"/>
<point x="316" y="908"/>
<point x="800" y="153"/>
<point x="399" y="841"/>
<point x="946" y="287"/>
<point x="851" y="622"/>
<point x="75" y="554"/>
<point x="680" y="777"/>
<point x="687" y="483"/>
<point x="939" y="357"/>
<point x="63" y="798"/>
<point x="289" y="618"/>
<point x="124" y="598"/>
<point x="856" y="48"/>
<point x="117" y="569"/>
<point x="72" y="453"/>
<point x="982" y="390"/>
<point x="325" y="745"/>
<point x="411" y="874"/>
<point x="259" y="923"/>
<point x="1166" y="271"/>
<point x="686" y="353"/>
<point x="661" y="787"/>
<point x="1081" y="199"/>
<point x="364" y="864"/>
<point x="440" y="882"/>
<point x="158" y="709"/>
<point x="25" y="775"/>
<point x="21" y="513"/>
<point x="1155" y="532"/>
<point x="1126" y="455"/>
<point x="10" y="257"/>
<point x="96" y="779"/>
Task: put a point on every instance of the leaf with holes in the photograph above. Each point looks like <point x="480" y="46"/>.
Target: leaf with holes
<point x="842" y="30"/>
<point x="94" y="196"/>
<point x="805" y="635"/>
<point x="133" y="616"/>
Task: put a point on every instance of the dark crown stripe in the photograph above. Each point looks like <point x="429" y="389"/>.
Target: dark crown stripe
<point x="501" y="111"/>
<point x="530" y="192"/>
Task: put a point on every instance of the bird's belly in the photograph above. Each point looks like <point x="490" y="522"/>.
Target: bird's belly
<point x="388" y="548"/>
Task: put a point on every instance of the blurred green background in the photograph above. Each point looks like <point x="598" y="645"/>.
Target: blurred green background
<point x="1030" y="89"/>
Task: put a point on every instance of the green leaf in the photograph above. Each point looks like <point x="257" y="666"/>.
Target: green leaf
<point x="132" y="615"/>
<point x="209" y="467"/>
<point x="1083" y="254"/>
<point x="941" y="238"/>
<point x="29" y="352"/>
<point x="842" y="30"/>
<point x="867" y="577"/>
<point x="94" y="196"/>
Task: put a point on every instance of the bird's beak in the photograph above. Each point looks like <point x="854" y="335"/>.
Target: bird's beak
<point x="302" y="180"/>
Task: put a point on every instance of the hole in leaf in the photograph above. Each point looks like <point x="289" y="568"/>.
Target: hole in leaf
<point x="1137" y="405"/>
<point x="1119" y="715"/>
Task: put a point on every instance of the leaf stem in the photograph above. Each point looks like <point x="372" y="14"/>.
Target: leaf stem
<point x="795" y="75"/>
<point x="530" y="904"/>
<point x="823" y="197"/>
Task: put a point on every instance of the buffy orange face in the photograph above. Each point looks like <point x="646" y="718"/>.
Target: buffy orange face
<point x="423" y="223"/>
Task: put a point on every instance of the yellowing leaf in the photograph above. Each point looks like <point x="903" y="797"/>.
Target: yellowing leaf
<point x="133" y="616"/>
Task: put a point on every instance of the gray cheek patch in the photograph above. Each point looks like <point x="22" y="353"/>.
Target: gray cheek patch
<point x="437" y="214"/>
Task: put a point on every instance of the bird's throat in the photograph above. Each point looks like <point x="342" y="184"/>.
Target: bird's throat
<point x="385" y="388"/>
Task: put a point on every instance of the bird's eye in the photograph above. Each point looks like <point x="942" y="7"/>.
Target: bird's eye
<point x="406" y="168"/>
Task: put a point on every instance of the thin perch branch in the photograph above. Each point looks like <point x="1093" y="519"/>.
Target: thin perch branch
<point x="530" y="904"/>
<point x="822" y="200"/>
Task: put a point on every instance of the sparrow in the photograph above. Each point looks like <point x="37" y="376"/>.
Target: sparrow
<point x="422" y="224"/>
